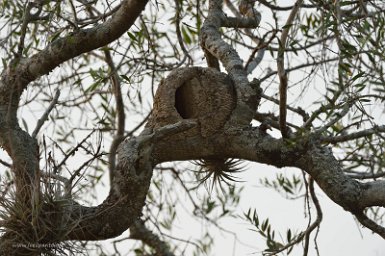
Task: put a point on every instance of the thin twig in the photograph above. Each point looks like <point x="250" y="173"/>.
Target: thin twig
<point x="178" y="32"/>
<point x="345" y="110"/>
<point x="298" y="110"/>
<point x="283" y="8"/>
<point x="44" y="117"/>
<point x="56" y="168"/>
<point x="119" y="135"/>
<point x="364" y="176"/>
<point x="305" y="235"/>
<point x="353" y="136"/>
<point x="68" y="185"/>
<point x="317" y="221"/>
<point x="298" y="67"/>
<point x="24" y="26"/>
<point x="5" y="163"/>
<point x="283" y="80"/>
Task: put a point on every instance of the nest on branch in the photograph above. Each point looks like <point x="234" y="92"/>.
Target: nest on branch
<point x="203" y="94"/>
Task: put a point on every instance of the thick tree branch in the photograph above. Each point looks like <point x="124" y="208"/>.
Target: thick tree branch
<point x="366" y="222"/>
<point x="139" y="231"/>
<point x="306" y="154"/>
<point x="212" y="42"/>
<point x="124" y="204"/>
<point x="82" y="41"/>
<point x="19" y="145"/>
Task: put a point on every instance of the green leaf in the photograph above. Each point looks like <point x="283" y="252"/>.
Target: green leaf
<point x="186" y="36"/>
<point x="133" y="38"/>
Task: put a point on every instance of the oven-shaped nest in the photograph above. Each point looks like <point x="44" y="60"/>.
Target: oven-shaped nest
<point x="204" y="94"/>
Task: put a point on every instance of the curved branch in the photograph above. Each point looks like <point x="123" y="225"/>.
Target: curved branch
<point x="139" y="155"/>
<point x="124" y="204"/>
<point x="82" y="41"/>
<point x="211" y="41"/>
<point x="21" y="147"/>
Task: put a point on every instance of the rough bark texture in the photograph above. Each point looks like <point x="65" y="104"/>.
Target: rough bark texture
<point x="197" y="93"/>
<point x="213" y="122"/>
<point x="247" y="96"/>
<point x="23" y="148"/>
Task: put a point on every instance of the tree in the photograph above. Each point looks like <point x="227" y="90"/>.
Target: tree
<point x="85" y="71"/>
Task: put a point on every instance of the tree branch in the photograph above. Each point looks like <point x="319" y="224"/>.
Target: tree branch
<point x="5" y="163"/>
<point x="281" y="68"/>
<point x="82" y="41"/>
<point x="178" y="32"/>
<point x="353" y="136"/>
<point x="247" y="98"/>
<point x="140" y="232"/>
<point x="366" y="222"/>
<point x="124" y="204"/>
<point x="44" y="117"/>
<point x="119" y="135"/>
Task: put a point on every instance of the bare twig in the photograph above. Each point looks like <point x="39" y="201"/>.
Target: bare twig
<point x="44" y="117"/>
<point x="345" y="110"/>
<point x="5" y="163"/>
<point x="173" y="129"/>
<point x="24" y="26"/>
<point x="178" y="32"/>
<point x="253" y="61"/>
<point x="119" y="135"/>
<point x="299" y="67"/>
<point x="283" y="8"/>
<point x="270" y="119"/>
<point x="317" y="222"/>
<point x="305" y="235"/>
<point x="69" y="185"/>
<point x="356" y="135"/>
<point x="281" y="69"/>
<point x="56" y="168"/>
<point x="364" y="176"/>
<point x="298" y="110"/>
<point x="74" y="13"/>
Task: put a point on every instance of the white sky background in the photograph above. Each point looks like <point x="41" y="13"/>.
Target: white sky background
<point x="339" y="234"/>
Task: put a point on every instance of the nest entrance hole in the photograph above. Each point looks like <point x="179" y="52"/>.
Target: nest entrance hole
<point x="185" y="101"/>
